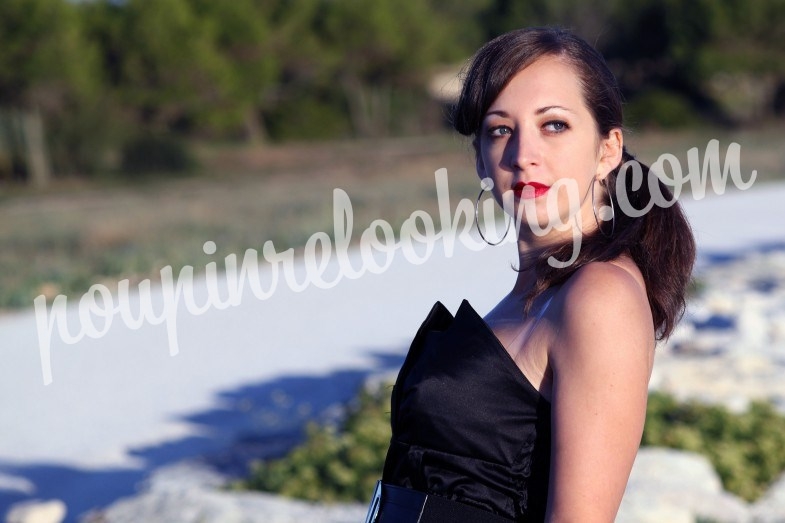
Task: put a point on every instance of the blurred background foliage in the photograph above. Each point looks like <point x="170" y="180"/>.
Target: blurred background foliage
<point x="132" y="131"/>
<point x="82" y="82"/>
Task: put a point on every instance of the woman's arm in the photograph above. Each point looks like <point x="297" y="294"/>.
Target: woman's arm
<point x="601" y="362"/>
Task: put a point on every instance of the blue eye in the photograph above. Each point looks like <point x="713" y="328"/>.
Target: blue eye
<point x="499" y="130"/>
<point x="556" y="126"/>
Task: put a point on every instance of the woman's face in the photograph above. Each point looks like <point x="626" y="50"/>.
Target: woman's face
<point x="539" y="144"/>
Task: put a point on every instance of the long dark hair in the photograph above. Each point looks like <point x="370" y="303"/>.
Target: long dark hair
<point x="660" y="241"/>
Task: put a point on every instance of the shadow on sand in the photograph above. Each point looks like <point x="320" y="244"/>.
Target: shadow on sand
<point x="256" y="421"/>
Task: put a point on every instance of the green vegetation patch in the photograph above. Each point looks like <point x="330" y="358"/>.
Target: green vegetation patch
<point x="662" y="109"/>
<point x="334" y="465"/>
<point x="746" y="449"/>
<point x="162" y="155"/>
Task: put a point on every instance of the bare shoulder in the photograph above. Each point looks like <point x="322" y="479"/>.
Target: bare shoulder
<point x="606" y="284"/>
<point x="604" y="304"/>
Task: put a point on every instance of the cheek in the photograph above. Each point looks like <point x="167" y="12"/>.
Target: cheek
<point x="579" y="163"/>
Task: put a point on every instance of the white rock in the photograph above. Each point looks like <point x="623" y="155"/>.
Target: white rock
<point x="719" y="301"/>
<point x="777" y="329"/>
<point x="641" y="509"/>
<point x="674" y="468"/>
<point x="189" y="492"/>
<point x="771" y="507"/>
<point x="185" y="475"/>
<point x="753" y="328"/>
<point x="215" y="506"/>
<point x="674" y="486"/>
<point x="37" y="511"/>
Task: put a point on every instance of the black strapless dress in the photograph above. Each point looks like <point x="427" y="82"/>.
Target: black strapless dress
<point x="466" y="423"/>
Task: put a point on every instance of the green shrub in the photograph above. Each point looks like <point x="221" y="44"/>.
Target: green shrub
<point x="307" y="117"/>
<point x="746" y="449"/>
<point x="661" y="108"/>
<point x="333" y="465"/>
<point x="156" y="154"/>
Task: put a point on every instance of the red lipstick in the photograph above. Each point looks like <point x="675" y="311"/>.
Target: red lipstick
<point x="529" y="190"/>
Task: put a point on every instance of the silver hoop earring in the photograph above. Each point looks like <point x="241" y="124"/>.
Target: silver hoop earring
<point x="604" y="207"/>
<point x="487" y="186"/>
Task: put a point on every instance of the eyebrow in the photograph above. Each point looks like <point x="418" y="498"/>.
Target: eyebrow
<point x="545" y="109"/>
<point x="541" y="110"/>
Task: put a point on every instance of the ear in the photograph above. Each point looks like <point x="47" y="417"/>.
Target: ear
<point x="610" y="153"/>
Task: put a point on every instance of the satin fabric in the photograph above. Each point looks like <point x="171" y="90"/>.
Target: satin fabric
<point x="466" y="423"/>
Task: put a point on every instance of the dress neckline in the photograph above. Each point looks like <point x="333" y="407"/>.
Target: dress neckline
<point x="505" y="356"/>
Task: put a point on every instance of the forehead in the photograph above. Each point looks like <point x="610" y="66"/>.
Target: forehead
<point x="547" y="81"/>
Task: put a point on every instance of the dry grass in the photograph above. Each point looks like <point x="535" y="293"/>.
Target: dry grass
<point x="77" y="233"/>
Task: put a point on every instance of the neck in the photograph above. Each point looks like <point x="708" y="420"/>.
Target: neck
<point x="527" y="274"/>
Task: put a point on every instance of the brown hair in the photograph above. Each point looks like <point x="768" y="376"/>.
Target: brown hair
<point x="660" y="241"/>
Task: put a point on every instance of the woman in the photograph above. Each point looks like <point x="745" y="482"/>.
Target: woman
<point x="535" y="412"/>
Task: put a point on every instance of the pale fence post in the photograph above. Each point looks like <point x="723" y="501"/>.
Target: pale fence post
<point x="23" y="141"/>
<point x="35" y="146"/>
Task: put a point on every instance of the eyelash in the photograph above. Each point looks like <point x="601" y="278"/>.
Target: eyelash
<point x="494" y="132"/>
<point x="561" y="123"/>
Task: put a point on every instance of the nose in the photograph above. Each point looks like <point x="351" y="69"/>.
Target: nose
<point x="521" y="150"/>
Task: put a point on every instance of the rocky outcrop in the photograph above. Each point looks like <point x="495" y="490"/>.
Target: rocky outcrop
<point x="771" y="507"/>
<point x="192" y="493"/>
<point x="676" y="486"/>
<point x="730" y="346"/>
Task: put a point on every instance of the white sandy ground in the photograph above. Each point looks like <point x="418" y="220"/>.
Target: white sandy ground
<point x="124" y="391"/>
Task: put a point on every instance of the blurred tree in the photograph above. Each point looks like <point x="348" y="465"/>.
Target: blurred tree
<point x="170" y="69"/>
<point x="299" y="69"/>
<point x="746" y="57"/>
<point x="655" y="47"/>
<point x="192" y="66"/>
<point x="372" y="49"/>
<point x="303" y="103"/>
<point x="587" y="18"/>
<point x="461" y="25"/>
<point x="243" y="37"/>
<point x="355" y="67"/>
<point x="49" y="72"/>
<point x="746" y="36"/>
<point x="44" y="57"/>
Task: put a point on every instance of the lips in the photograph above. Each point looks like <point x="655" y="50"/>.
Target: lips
<point x="528" y="190"/>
